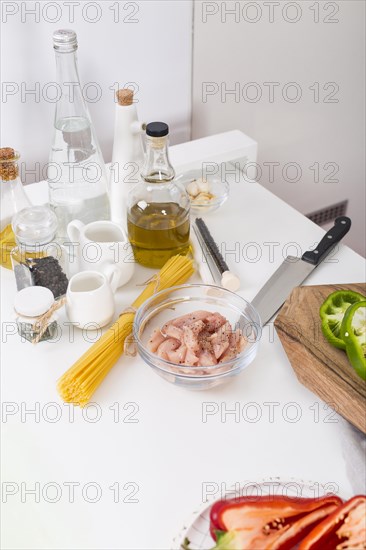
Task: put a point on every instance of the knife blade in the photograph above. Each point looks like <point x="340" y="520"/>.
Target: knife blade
<point x="293" y="271"/>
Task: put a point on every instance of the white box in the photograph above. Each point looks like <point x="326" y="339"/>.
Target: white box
<point x="232" y="148"/>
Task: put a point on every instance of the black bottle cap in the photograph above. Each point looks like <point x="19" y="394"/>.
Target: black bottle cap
<point x="157" y="129"/>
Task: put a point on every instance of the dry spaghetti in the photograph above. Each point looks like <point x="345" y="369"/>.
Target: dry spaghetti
<point x="79" y="383"/>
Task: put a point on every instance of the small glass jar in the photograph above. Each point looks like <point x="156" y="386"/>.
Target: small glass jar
<point x="158" y="207"/>
<point x="38" y="260"/>
<point x="31" y="304"/>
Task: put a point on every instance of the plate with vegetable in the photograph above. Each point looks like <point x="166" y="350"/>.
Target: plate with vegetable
<point x="278" y="515"/>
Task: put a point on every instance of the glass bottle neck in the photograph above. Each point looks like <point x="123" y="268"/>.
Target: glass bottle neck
<point x="12" y="199"/>
<point x="67" y="67"/>
<point x="71" y="102"/>
<point x="157" y="167"/>
<point x="9" y="184"/>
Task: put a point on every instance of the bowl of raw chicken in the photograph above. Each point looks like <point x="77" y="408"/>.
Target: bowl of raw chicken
<point x="197" y="336"/>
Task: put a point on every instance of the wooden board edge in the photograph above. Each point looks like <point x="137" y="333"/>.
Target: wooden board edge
<point x="326" y="383"/>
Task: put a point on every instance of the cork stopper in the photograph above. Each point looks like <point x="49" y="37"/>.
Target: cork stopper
<point x="7" y="153"/>
<point x="8" y="164"/>
<point x="124" y="97"/>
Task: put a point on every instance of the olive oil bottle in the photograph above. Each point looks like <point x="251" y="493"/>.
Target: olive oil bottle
<point x="158" y="208"/>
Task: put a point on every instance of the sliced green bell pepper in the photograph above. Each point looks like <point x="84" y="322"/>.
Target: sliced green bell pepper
<point x="353" y="333"/>
<point x="332" y="312"/>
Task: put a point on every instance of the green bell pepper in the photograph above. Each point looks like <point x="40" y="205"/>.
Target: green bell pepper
<point x="332" y="312"/>
<point x="353" y="333"/>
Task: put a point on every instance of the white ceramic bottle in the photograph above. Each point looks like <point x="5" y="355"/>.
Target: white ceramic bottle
<point x="128" y="155"/>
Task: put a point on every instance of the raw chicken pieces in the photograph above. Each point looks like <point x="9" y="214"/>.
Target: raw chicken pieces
<point x="198" y="339"/>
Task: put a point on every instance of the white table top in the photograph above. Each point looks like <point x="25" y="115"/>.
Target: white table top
<point x="169" y="453"/>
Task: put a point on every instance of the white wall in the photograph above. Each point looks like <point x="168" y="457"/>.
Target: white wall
<point x="229" y="51"/>
<point x="232" y="50"/>
<point x="148" y="43"/>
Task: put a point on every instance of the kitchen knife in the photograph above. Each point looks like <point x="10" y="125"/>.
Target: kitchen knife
<point x="293" y="271"/>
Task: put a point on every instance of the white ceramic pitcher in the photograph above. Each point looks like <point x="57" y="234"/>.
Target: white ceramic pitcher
<point x="100" y="244"/>
<point x="90" y="298"/>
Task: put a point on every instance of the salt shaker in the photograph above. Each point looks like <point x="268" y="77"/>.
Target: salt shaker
<point x="31" y="306"/>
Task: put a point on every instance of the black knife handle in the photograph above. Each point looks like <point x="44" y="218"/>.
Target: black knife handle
<point x="341" y="227"/>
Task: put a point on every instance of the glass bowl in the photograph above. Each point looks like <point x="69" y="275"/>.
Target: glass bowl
<point x="217" y="187"/>
<point x="176" y="301"/>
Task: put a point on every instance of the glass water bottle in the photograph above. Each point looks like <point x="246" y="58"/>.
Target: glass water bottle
<point x="158" y="207"/>
<point x="76" y="176"/>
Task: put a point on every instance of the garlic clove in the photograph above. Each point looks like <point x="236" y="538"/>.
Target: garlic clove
<point x="192" y="188"/>
<point x="203" y="198"/>
<point x="203" y="185"/>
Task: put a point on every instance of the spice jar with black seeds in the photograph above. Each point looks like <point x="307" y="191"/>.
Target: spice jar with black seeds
<point x="38" y="260"/>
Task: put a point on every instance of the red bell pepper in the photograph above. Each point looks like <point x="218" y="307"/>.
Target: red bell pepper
<point x="267" y="523"/>
<point x="344" y="529"/>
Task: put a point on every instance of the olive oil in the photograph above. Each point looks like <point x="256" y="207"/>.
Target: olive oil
<point x="158" y="231"/>
<point x="158" y="207"/>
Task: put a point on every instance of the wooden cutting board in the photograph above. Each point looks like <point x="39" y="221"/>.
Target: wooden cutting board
<point x="318" y="365"/>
